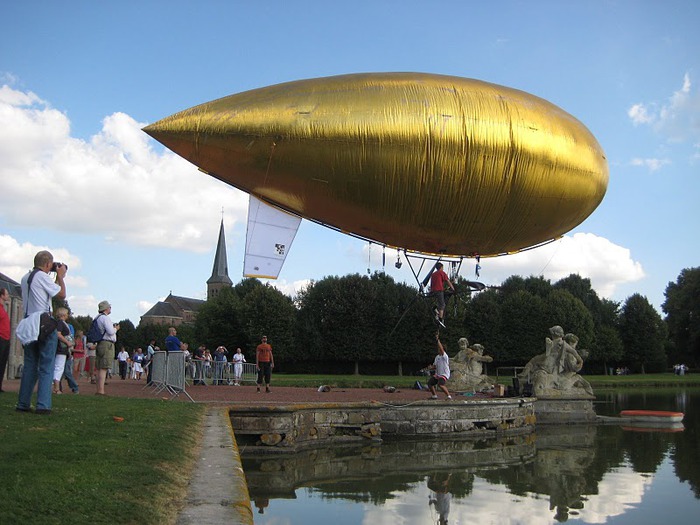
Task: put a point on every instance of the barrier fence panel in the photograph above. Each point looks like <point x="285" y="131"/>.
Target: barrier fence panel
<point x="220" y="375"/>
<point x="175" y="374"/>
<point x="250" y="373"/>
<point x="158" y="370"/>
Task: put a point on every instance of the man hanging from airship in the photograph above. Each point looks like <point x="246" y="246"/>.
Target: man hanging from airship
<point x="437" y="289"/>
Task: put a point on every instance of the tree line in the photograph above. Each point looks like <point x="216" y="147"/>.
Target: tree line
<point x="375" y="325"/>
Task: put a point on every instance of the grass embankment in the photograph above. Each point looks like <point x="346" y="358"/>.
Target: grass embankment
<point x="362" y="381"/>
<point x="80" y="466"/>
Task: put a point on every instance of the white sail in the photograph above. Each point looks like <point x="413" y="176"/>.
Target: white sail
<point x="270" y="234"/>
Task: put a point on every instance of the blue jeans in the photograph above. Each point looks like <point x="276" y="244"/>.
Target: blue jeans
<point x="38" y="366"/>
<point x="68" y="374"/>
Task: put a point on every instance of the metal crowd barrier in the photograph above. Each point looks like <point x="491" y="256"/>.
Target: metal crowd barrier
<point x="169" y="373"/>
<point x="158" y="370"/>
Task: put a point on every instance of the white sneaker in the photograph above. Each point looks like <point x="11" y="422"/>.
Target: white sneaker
<point x="433" y="397"/>
<point x="449" y="397"/>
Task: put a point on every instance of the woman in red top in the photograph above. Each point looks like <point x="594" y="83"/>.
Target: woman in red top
<point x="4" y="334"/>
<point x="79" y="354"/>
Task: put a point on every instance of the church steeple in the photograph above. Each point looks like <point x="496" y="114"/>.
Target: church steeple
<point x="219" y="274"/>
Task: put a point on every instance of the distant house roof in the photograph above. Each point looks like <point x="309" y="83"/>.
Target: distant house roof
<point x="162" y="309"/>
<point x="12" y="286"/>
<point x="175" y="306"/>
<point x="185" y="303"/>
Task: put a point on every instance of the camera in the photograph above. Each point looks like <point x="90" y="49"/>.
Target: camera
<point x="55" y="266"/>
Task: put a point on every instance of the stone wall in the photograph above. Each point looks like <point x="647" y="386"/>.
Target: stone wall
<point x="295" y="427"/>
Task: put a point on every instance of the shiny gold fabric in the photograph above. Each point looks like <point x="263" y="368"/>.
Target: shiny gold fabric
<point x="429" y="163"/>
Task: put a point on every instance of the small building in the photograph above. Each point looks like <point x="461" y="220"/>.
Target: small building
<point x="14" y="309"/>
<point x="173" y="311"/>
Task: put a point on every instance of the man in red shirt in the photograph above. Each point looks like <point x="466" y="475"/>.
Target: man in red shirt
<point x="437" y="288"/>
<point x="264" y="363"/>
<point x="4" y="334"/>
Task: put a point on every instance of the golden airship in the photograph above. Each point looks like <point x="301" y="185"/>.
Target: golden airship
<point x="428" y="163"/>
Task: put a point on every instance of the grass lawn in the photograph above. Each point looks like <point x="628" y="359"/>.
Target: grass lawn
<point x="364" y="381"/>
<point x="80" y="466"/>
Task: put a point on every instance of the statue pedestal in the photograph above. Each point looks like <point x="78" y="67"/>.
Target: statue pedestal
<point x="555" y="411"/>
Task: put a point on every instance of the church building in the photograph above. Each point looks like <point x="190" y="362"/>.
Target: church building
<point x="176" y="310"/>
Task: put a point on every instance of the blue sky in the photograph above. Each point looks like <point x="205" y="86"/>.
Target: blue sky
<point x="78" y="80"/>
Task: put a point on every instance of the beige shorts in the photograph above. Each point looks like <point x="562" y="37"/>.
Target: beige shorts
<point x="104" y="355"/>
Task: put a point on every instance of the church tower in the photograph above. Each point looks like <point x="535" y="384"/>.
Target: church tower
<point x="219" y="275"/>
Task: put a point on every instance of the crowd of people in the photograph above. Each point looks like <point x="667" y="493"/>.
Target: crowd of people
<point x="55" y="352"/>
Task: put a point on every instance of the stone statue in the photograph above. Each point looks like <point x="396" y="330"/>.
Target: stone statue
<point x="467" y="369"/>
<point x="555" y="373"/>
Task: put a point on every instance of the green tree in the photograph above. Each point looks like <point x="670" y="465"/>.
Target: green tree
<point x="264" y="310"/>
<point x="219" y="322"/>
<point x="682" y="309"/>
<point x="127" y="336"/>
<point x="524" y="327"/>
<point x="483" y="324"/>
<point x="643" y="335"/>
<point x="567" y="311"/>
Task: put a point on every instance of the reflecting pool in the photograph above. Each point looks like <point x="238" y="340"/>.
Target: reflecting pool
<point x="583" y="474"/>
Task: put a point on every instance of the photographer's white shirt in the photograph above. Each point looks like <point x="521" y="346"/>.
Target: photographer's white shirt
<point x="43" y="289"/>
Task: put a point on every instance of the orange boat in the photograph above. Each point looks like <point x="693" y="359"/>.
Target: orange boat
<point x="652" y="416"/>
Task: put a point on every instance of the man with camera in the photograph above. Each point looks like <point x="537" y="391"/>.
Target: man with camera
<point x="38" y="289"/>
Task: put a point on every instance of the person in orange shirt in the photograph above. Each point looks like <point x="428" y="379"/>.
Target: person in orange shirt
<point x="264" y="363"/>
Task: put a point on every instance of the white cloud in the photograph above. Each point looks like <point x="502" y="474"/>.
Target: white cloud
<point x="606" y="264"/>
<point x="17" y="259"/>
<point x="115" y="185"/>
<point x="290" y="289"/>
<point x="651" y="164"/>
<point x="640" y="114"/>
<point x="678" y="118"/>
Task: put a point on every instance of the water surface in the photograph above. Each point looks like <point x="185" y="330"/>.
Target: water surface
<point x="582" y="474"/>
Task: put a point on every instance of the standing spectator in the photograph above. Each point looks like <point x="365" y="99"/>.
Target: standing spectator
<point x="264" y="362"/>
<point x="90" y="356"/>
<point x="198" y="360"/>
<point x="37" y="291"/>
<point x="207" y="362"/>
<point x="79" y="354"/>
<point x="172" y="343"/>
<point x="123" y="359"/>
<point x="219" y="365"/>
<point x="104" y="353"/>
<point x="137" y="363"/>
<point x="4" y="334"/>
<point x="63" y="348"/>
<point x="441" y="366"/>
<point x="150" y="352"/>
<point x="238" y="360"/>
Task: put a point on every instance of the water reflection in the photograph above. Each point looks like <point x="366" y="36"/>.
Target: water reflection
<point x="591" y="474"/>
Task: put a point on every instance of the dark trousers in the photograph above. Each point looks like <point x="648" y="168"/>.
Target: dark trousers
<point x="264" y="372"/>
<point x="122" y="369"/>
<point x="4" y="355"/>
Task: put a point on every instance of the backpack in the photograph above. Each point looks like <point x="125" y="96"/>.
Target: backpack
<point x="94" y="334"/>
